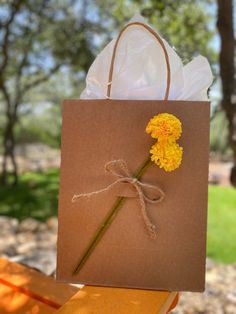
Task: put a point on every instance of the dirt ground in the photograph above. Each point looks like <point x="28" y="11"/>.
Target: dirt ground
<point x="219" y="172"/>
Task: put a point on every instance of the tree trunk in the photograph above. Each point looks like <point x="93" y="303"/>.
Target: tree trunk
<point x="227" y="69"/>
<point x="9" y="152"/>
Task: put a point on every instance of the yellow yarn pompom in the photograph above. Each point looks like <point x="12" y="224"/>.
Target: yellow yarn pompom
<point x="166" y="153"/>
<point x="165" y="126"/>
<point x="168" y="157"/>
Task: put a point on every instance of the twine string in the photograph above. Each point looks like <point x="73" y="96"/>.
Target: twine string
<point x="119" y="169"/>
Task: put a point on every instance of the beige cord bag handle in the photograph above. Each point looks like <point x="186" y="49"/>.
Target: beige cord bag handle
<point x="160" y="41"/>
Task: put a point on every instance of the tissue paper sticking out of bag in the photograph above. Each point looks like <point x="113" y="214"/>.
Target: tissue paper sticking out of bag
<point x="140" y="71"/>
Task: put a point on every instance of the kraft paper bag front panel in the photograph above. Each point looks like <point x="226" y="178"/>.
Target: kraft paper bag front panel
<point x="97" y="131"/>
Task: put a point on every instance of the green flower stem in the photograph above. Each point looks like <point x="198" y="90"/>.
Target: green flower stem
<point x="109" y="219"/>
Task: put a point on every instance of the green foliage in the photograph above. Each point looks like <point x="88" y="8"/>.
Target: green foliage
<point x="44" y="34"/>
<point x="40" y="128"/>
<point x="36" y="196"/>
<point x="40" y="117"/>
<point x="187" y="25"/>
<point x="221" y="243"/>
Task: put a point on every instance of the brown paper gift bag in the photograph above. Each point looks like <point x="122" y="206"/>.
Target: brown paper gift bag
<point x="96" y="132"/>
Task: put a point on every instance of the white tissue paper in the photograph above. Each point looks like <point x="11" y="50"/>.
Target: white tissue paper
<point x="140" y="70"/>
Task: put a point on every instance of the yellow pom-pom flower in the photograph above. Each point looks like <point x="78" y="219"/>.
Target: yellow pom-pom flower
<point x="168" y="157"/>
<point x="165" y="126"/>
<point x="166" y="153"/>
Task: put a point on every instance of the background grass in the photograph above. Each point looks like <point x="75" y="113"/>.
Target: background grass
<point x="36" y="196"/>
<point x="221" y="240"/>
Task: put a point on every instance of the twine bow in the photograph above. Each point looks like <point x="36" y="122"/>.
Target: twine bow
<point x="119" y="169"/>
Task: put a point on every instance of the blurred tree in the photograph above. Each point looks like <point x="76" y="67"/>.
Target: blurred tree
<point x="225" y="25"/>
<point x="40" y="117"/>
<point x="219" y="134"/>
<point x="34" y="45"/>
<point x="40" y="38"/>
<point x="186" y="25"/>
